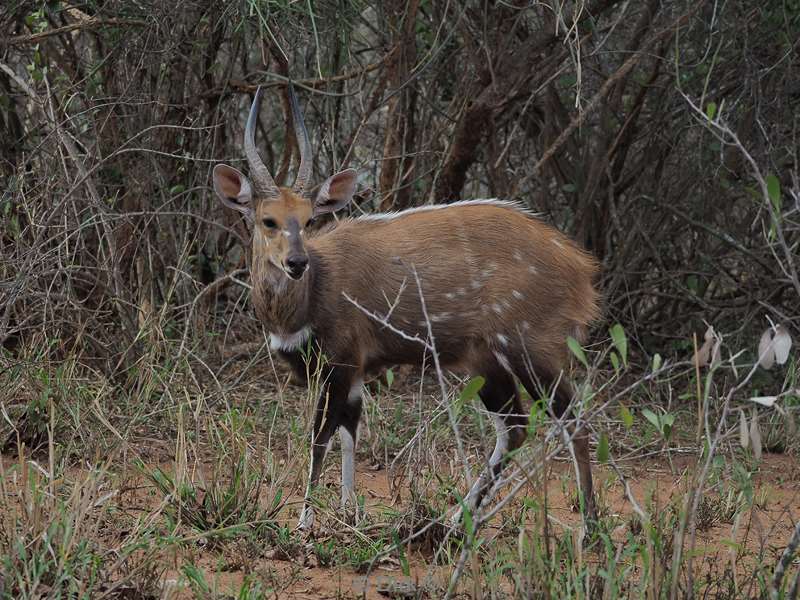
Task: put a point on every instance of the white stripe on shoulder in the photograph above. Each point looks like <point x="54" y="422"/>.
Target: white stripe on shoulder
<point x="290" y="342"/>
<point x="510" y="204"/>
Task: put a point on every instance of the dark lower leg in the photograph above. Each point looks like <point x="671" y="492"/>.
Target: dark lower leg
<point x="303" y="363"/>
<point x="330" y="406"/>
<point x="348" y="435"/>
<point x="562" y="397"/>
<point x="580" y="446"/>
<point x="500" y="397"/>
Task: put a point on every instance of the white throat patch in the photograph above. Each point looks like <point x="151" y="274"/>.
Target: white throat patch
<point x="289" y="342"/>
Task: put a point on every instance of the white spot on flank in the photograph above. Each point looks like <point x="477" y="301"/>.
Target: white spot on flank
<point x="517" y="255"/>
<point x="449" y="295"/>
<point x="517" y="294"/>
<point x="557" y="243"/>
<point x="526" y="326"/>
<point x="461" y="291"/>
<point x="533" y="269"/>
<point x="440" y="317"/>
<point x="502" y="339"/>
<point x="476" y="284"/>
<point x="289" y="342"/>
<point x="497" y="308"/>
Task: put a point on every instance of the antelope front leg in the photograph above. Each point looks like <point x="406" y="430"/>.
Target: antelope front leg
<point x="348" y="436"/>
<point x="331" y="409"/>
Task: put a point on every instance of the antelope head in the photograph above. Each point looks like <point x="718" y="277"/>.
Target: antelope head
<point x="280" y="216"/>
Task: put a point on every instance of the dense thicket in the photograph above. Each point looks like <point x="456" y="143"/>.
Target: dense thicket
<point x="661" y="134"/>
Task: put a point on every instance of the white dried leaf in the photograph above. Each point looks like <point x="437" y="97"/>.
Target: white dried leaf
<point x="781" y="344"/>
<point x="766" y="351"/>
<point x="710" y="334"/>
<point x="744" y="437"/>
<point x="755" y="436"/>
<point x="764" y="400"/>
<point x="703" y="353"/>
<point x="716" y="354"/>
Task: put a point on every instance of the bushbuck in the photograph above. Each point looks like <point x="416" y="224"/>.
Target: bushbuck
<point x="487" y="285"/>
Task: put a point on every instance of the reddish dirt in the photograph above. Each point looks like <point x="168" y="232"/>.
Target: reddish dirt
<point x="761" y="532"/>
<point x="764" y="530"/>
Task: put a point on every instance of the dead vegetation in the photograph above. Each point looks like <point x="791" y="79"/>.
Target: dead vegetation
<point x="153" y="448"/>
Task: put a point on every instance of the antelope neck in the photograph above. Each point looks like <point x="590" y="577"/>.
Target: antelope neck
<point x="282" y="303"/>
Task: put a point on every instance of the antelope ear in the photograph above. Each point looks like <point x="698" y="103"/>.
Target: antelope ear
<point x="234" y="189"/>
<point x="336" y="192"/>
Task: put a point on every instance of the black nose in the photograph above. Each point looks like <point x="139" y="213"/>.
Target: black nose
<point x="296" y="265"/>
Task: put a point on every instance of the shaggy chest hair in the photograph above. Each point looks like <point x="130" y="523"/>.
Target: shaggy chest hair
<point x="280" y="303"/>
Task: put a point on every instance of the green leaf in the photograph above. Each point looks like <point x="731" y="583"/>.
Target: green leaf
<point x="711" y="110"/>
<point x="656" y="362"/>
<point x="602" y="448"/>
<point x="620" y="341"/>
<point x="472" y="388"/>
<point x="774" y="191"/>
<point x="731" y="544"/>
<point x="652" y="417"/>
<point x="626" y="416"/>
<point x="466" y="516"/>
<point x="401" y="554"/>
<point x="614" y="360"/>
<point x="537" y="415"/>
<point x="389" y="378"/>
<point x="177" y="189"/>
<point x="575" y="347"/>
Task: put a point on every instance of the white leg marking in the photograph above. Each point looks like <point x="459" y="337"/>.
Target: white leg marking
<point x="349" y="450"/>
<point x="500" y="448"/>
<point x="354" y="395"/>
<point x="348" y="466"/>
<point x="501" y="444"/>
<point x="306" y="520"/>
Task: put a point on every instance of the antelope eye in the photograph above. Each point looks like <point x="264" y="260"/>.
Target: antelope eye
<point x="269" y="223"/>
<point x="309" y="223"/>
